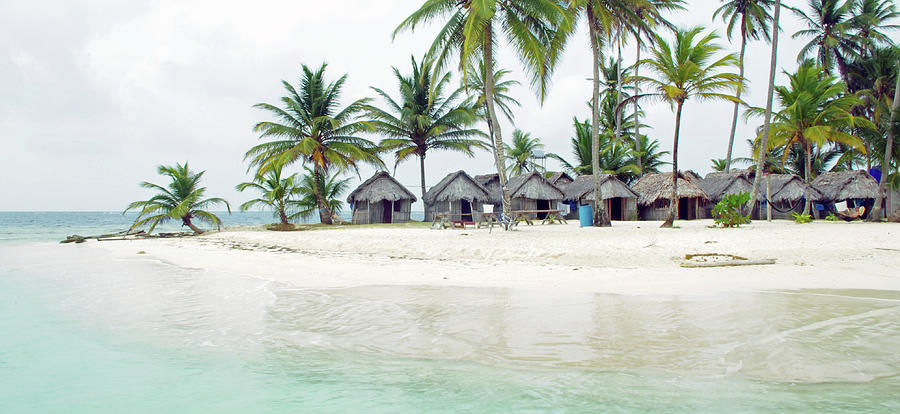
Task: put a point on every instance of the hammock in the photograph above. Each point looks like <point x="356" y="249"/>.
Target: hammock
<point x="790" y="209"/>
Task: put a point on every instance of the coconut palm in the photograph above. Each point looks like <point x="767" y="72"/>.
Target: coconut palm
<point x="535" y="28"/>
<point x="648" y="158"/>
<point x="829" y="23"/>
<point x="688" y="69"/>
<point x="816" y="111"/>
<point x="616" y="157"/>
<point x="329" y="187"/>
<point x="424" y="118"/>
<point x="752" y="16"/>
<point x="473" y="84"/>
<point x="181" y="200"/>
<point x="311" y="128"/>
<point x="276" y="192"/>
<point x="871" y="20"/>
<point x="522" y="153"/>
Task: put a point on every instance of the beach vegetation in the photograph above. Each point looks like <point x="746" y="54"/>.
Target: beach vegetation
<point x="311" y="127"/>
<point x="276" y="192"/>
<point x="728" y="212"/>
<point x="801" y="218"/>
<point x="523" y="152"/>
<point x="473" y="84"/>
<point x="182" y="199"/>
<point x="313" y="186"/>
<point x="831" y="217"/>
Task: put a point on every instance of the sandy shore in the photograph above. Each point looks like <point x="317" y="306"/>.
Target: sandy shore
<point x="630" y="258"/>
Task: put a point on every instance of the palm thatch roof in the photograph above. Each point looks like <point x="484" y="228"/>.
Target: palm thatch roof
<point x="533" y="185"/>
<point x="491" y="182"/>
<point x="788" y="188"/>
<point x="843" y="185"/>
<point x="653" y="187"/>
<point x="560" y="180"/>
<point x="691" y="176"/>
<point x="718" y="184"/>
<point x="582" y="189"/>
<point x="457" y="186"/>
<point x="380" y="186"/>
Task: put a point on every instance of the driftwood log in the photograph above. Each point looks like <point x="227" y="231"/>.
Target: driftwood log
<point x="77" y="238"/>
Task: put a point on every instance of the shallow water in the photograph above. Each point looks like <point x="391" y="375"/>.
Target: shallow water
<point x="84" y="333"/>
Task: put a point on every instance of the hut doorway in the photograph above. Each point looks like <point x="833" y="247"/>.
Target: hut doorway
<point x="616" y="212"/>
<point x="686" y="209"/>
<point x="387" y="212"/>
<point x="542" y="205"/>
<point x="465" y="207"/>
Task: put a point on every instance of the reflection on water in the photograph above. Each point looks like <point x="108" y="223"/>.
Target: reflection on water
<point x="797" y="350"/>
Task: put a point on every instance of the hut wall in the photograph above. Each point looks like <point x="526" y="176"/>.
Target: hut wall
<point x="631" y="209"/>
<point x="454" y="207"/>
<point x="659" y="210"/>
<point x="401" y="210"/>
<point x="360" y="213"/>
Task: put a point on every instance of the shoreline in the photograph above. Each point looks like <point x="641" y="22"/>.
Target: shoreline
<point x="632" y="258"/>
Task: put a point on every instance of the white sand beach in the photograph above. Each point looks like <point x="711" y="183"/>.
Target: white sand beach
<point x="629" y="258"/>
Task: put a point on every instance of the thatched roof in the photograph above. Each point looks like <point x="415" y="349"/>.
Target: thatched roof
<point x="788" y="188"/>
<point x="718" y="184"/>
<point x="457" y="186"/>
<point x="652" y="187"/>
<point x="492" y="183"/>
<point x="533" y="185"/>
<point x="560" y="180"/>
<point x="380" y="187"/>
<point x="843" y="185"/>
<point x="692" y="176"/>
<point x="582" y="189"/>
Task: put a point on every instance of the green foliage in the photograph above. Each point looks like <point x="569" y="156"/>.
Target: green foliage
<point x="521" y="153"/>
<point x="181" y="200"/>
<point x="276" y="192"/>
<point x="832" y="217"/>
<point x="727" y="212"/>
<point x="331" y="188"/>
<point x="801" y="218"/>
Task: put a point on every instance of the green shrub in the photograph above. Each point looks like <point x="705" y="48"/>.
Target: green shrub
<point x="801" y="218"/>
<point x="832" y="217"/>
<point x="727" y="212"/>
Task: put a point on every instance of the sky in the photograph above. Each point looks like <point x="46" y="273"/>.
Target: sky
<point x="95" y="94"/>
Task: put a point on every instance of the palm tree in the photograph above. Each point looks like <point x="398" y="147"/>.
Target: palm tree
<point x="522" y="153"/>
<point x="424" y="119"/>
<point x="870" y="22"/>
<point x="816" y="110"/>
<point x="311" y="128"/>
<point x="829" y="29"/>
<point x="649" y="158"/>
<point x="312" y="185"/>
<point x="473" y="83"/>
<point x="685" y="70"/>
<point x="753" y="16"/>
<point x="276" y="192"/>
<point x="581" y="150"/>
<point x="536" y="29"/>
<point x="617" y="157"/>
<point x="181" y="200"/>
<point x="888" y="122"/>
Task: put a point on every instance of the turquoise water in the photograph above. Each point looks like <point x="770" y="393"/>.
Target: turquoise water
<point x="81" y="332"/>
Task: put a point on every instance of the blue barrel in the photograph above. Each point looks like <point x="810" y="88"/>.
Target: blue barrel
<point x="586" y="215"/>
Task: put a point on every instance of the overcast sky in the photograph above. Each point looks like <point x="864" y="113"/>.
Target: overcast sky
<point x="94" y="94"/>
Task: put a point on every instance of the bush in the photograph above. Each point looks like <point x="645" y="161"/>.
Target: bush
<point x="727" y="212"/>
<point x="832" y="217"/>
<point x="801" y="218"/>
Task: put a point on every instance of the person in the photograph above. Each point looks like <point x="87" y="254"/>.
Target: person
<point x="851" y="213"/>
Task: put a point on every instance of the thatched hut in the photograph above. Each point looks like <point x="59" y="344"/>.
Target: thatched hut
<point x="560" y="180"/>
<point x="457" y="193"/>
<point x="857" y="188"/>
<point x="787" y="196"/>
<point x="380" y="199"/>
<point x="654" y="190"/>
<point x="491" y="182"/>
<point x="718" y="184"/>
<point x="531" y="191"/>
<point x="620" y="200"/>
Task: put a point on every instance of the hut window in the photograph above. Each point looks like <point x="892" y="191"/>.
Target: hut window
<point x="398" y="206"/>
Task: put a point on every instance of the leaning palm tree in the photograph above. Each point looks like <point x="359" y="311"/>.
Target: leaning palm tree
<point x="522" y="152"/>
<point x="753" y="17"/>
<point x="688" y="69"/>
<point x="424" y="118"/>
<point x="535" y="28"/>
<point x="276" y="192"/>
<point x="828" y="25"/>
<point x="311" y="128"/>
<point x="181" y="200"/>
<point x="816" y="111"/>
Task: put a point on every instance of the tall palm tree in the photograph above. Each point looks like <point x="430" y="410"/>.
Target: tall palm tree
<point x="688" y="69"/>
<point x="871" y="19"/>
<point x="276" y="192"/>
<point x="535" y="28"/>
<point x="753" y="17"/>
<point x="522" y="152"/>
<point x="312" y="128"/>
<point x="816" y="111"/>
<point x="648" y="158"/>
<point x="889" y="122"/>
<point x="312" y="185"/>
<point x="473" y="83"/>
<point x="181" y="200"/>
<point x="425" y="118"/>
<point x="829" y="24"/>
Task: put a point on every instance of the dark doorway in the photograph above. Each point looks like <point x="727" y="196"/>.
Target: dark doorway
<point x="615" y="209"/>
<point x="466" y="209"/>
<point x="542" y="205"/>
<point x="387" y="212"/>
<point x="684" y="212"/>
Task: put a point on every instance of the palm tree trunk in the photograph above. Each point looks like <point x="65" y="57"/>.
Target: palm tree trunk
<point x="734" y="118"/>
<point x="499" y="157"/>
<point x="763" y="147"/>
<point x="619" y="82"/>
<point x="601" y="218"/>
<point x="325" y="213"/>
<point x="186" y="220"/>
<point x="877" y="211"/>
<point x="422" y="174"/>
<point x="637" y="121"/>
<point x="806" y="167"/>
<point x="283" y="216"/>
<point x="673" y="199"/>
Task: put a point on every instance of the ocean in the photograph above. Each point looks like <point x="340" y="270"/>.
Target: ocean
<point x="82" y="332"/>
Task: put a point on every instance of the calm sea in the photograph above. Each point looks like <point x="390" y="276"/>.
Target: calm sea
<point x="81" y="332"/>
